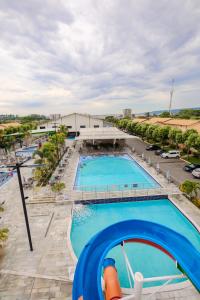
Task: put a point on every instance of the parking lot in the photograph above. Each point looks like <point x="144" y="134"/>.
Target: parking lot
<point x="173" y="166"/>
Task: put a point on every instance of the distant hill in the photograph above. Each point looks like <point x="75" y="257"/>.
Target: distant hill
<point x="174" y="111"/>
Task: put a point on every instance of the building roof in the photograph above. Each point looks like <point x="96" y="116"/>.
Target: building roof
<point x="157" y="120"/>
<point x="182" y="122"/>
<point x="37" y="131"/>
<point x="65" y="116"/>
<point x="170" y="121"/>
<point x="104" y="133"/>
<point x="83" y="115"/>
<point x="11" y="124"/>
<point x="15" y="134"/>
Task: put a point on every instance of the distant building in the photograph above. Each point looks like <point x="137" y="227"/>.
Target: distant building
<point x="55" y="117"/>
<point x="7" y="117"/>
<point x="102" y="117"/>
<point x="127" y="112"/>
<point x="74" y="122"/>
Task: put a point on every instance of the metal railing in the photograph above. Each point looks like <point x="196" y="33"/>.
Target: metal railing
<point x="95" y="193"/>
<point x="116" y="187"/>
<point x="138" y="280"/>
<point x="120" y="191"/>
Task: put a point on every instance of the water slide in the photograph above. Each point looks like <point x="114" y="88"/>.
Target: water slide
<point x="87" y="278"/>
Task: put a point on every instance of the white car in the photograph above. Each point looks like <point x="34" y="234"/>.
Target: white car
<point x="171" y="154"/>
<point x="196" y="173"/>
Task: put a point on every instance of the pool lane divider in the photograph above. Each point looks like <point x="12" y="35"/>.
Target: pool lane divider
<point x="87" y="278"/>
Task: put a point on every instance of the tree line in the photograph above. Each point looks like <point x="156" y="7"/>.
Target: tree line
<point x="49" y="155"/>
<point x="7" y="140"/>
<point x="168" y="136"/>
<point x="163" y="135"/>
<point x="183" y="114"/>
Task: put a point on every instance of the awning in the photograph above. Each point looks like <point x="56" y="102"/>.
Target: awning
<point x="103" y="133"/>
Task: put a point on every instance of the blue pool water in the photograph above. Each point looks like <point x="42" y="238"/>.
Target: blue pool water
<point x="30" y="149"/>
<point x="111" y="172"/>
<point x="5" y="176"/>
<point x="26" y="152"/>
<point x="89" y="219"/>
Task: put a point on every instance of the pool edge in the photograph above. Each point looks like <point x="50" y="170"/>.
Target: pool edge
<point x="132" y="157"/>
<point x="171" y="287"/>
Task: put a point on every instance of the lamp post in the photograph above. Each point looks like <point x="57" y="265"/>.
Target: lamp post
<point x="24" y="205"/>
<point x="17" y="167"/>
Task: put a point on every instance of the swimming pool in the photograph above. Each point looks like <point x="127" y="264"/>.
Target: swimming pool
<point x="30" y="148"/>
<point x="111" y="172"/>
<point x="89" y="219"/>
<point x="27" y="151"/>
<point x="4" y="177"/>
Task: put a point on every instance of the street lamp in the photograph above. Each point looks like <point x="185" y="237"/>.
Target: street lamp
<point x="17" y="167"/>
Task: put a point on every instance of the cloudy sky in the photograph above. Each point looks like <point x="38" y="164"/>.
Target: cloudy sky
<point x="98" y="56"/>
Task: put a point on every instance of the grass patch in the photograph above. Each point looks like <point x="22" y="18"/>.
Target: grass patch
<point x="192" y="159"/>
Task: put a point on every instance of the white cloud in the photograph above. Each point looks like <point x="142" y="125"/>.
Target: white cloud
<point x="98" y="56"/>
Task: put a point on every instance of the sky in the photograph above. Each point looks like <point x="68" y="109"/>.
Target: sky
<point x="98" y="56"/>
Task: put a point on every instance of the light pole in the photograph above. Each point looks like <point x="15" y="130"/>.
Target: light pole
<point x="17" y="167"/>
<point x="171" y="96"/>
<point x="24" y="204"/>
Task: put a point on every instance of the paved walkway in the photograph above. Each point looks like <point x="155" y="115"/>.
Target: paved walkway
<point x="44" y="273"/>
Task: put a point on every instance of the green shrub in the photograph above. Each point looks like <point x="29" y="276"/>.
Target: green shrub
<point x="57" y="187"/>
<point x="3" y="232"/>
<point x="190" y="188"/>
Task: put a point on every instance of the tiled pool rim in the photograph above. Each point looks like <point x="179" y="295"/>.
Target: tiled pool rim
<point x="120" y="199"/>
<point x="135" y="199"/>
<point x="119" y="154"/>
<point x="147" y="290"/>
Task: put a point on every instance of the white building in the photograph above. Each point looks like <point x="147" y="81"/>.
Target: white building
<point x="127" y="112"/>
<point x="74" y="122"/>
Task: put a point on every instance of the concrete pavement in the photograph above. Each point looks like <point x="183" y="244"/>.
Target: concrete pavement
<point x="174" y="166"/>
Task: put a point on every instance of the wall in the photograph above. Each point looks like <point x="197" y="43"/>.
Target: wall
<point x="75" y="121"/>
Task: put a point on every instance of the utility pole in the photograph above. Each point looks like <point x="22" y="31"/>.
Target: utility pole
<point x="171" y="96"/>
<point x="17" y="167"/>
<point x="24" y="205"/>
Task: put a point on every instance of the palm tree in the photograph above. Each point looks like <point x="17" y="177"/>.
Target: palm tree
<point x="190" y="188"/>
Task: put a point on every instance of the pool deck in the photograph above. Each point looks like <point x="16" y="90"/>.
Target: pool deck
<point x="46" y="272"/>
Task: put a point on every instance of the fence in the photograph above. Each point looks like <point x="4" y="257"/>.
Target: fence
<point x="116" y="187"/>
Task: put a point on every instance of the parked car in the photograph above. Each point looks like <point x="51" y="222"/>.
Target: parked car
<point x="191" y="167"/>
<point x="152" y="147"/>
<point x="159" y="152"/>
<point x="196" y="173"/>
<point x="171" y="154"/>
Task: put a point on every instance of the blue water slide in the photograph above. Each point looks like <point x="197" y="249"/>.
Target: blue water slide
<point x="87" y="278"/>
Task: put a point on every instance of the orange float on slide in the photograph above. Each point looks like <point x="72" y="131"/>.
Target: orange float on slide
<point x="112" y="286"/>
